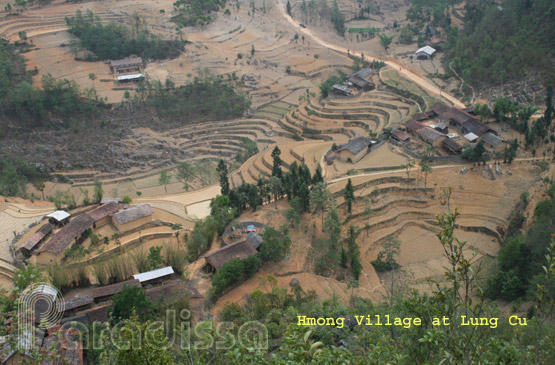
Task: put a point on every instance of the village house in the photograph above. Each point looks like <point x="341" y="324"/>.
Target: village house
<point x="154" y="276"/>
<point x="58" y="218"/>
<point x="399" y="136"/>
<point x="240" y="250"/>
<point x="129" y="219"/>
<point x="341" y="90"/>
<point x="425" y="53"/>
<point x="355" y="149"/>
<point x="103" y="293"/>
<point x="359" y="79"/>
<point x="175" y="289"/>
<point x="128" y="65"/>
<point x="493" y="142"/>
<point x="452" y="146"/>
<point x="53" y="250"/>
<point x="41" y="234"/>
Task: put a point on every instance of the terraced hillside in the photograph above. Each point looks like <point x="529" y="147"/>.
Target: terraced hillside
<point x="390" y="204"/>
<point x="15" y="218"/>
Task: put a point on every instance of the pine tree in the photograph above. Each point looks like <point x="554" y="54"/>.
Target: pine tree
<point x="349" y="194"/>
<point x="288" y="7"/>
<point x="224" y="182"/>
<point x="276" y="169"/>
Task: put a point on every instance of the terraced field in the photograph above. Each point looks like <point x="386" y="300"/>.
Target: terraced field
<point x="391" y="204"/>
<point x="15" y="218"/>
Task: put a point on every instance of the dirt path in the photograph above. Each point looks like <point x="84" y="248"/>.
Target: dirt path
<point x="403" y="70"/>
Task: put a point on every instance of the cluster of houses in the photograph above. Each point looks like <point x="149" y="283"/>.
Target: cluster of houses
<point x="160" y="285"/>
<point x="359" y="80"/>
<point x="450" y="128"/>
<point x="128" y="69"/>
<point x="49" y="242"/>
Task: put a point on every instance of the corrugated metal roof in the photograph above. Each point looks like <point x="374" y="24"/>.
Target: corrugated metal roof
<point x="492" y="139"/>
<point x="427" y="50"/>
<point x="471" y="137"/>
<point x="130" y="77"/>
<point x="59" y="215"/>
<point x="154" y="274"/>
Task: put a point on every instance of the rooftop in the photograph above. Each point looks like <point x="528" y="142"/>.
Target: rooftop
<point x="363" y="72"/>
<point x="173" y="288"/>
<point x="356" y="144"/>
<point x="254" y="239"/>
<point x="128" y="61"/>
<point x="38" y="236"/>
<point x="471" y="137"/>
<point x="78" y="301"/>
<point x="414" y="126"/>
<point x="104" y="291"/>
<point x="400" y="135"/>
<point x="102" y="211"/>
<point x="427" y="50"/>
<point x="59" y="215"/>
<point x="67" y="234"/>
<point x="492" y="139"/>
<point x="453" y="145"/>
<point x="429" y="134"/>
<point x="130" y="77"/>
<point x="132" y="214"/>
<point x="154" y="274"/>
<point x="240" y="249"/>
<point x="342" y="88"/>
<point x="475" y="126"/>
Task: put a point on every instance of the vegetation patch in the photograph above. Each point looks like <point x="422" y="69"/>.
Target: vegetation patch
<point x="113" y="41"/>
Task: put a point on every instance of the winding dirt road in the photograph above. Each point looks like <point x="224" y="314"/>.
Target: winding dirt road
<point x="403" y="70"/>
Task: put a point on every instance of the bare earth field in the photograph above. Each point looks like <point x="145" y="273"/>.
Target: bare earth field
<point x="129" y="156"/>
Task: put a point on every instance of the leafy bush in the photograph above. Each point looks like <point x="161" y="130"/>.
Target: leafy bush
<point x="233" y="272"/>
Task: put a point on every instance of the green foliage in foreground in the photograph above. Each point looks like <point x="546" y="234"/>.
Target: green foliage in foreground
<point x="438" y="337"/>
<point x="113" y="41"/>
<point x="519" y="263"/>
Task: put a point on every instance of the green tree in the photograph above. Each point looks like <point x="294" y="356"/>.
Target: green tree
<point x="155" y="257"/>
<point x="185" y="172"/>
<point x="27" y="275"/>
<point x="289" y="8"/>
<point x="224" y="181"/>
<point x="276" y="167"/>
<point x="164" y="179"/>
<point x="320" y="200"/>
<point x="131" y="298"/>
<point x="98" y="192"/>
<point x="349" y="195"/>
<point x="385" y="40"/>
<point x="252" y="50"/>
<point x="426" y="169"/>
<point x="274" y="246"/>
<point x="338" y="19"/>
<point x="141" y="343"/>
<point x="39" y="184"/>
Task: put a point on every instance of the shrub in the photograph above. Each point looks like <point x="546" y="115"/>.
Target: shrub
<point x="233" y="272"/>
<point x="126" y="199"/>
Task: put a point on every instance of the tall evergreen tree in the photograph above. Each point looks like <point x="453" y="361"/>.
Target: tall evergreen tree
<point x="288" y="7"/>
<point x="224" y="181"/>
<point x="349" y="195"/>
<point x="317" y="178"/>
<point x="276" y="169"/>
